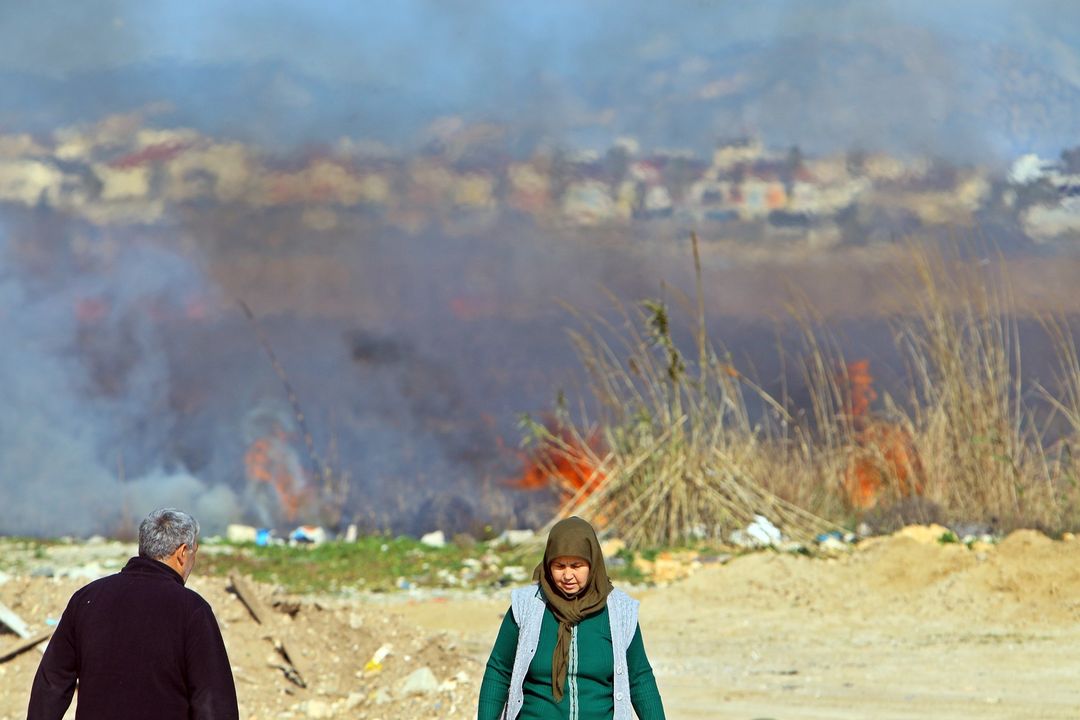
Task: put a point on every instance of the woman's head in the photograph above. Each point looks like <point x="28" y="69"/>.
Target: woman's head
<point x="573" y="564"/>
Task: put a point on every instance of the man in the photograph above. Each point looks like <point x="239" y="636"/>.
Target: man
<point x="140" y="644"/>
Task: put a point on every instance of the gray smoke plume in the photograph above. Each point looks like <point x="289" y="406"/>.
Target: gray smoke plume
<point x="82" y="427"/>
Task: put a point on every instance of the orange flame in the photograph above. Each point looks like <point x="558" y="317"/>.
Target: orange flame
<point x="270" y="459"/>
<point x="563" y="461"/>
<point x="885" y="452"/>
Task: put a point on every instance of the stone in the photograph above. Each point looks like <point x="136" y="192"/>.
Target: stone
<point x="612" y="547"/>
<point x="515" y="537"/>
<point x="924" y="534"/>
<point x="434" y="539"/>
<point x="236" y="533"/>
<point x="318" y="709"/>
<point x="419" y="682"/>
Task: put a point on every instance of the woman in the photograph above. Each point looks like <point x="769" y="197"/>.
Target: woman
<point x="570" y="648"/>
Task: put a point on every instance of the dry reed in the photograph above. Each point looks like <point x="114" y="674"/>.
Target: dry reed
<point x="682" y="457"/>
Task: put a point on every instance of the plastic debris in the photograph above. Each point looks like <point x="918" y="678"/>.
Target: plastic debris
<point x="759" y="533"/>
<point x="375" y="664"/>
<point x="308" y="534"/>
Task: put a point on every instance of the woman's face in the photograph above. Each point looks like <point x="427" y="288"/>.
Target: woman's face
<point x="570" y="574"/>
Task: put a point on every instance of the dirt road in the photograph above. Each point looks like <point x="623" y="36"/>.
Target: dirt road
<point x="897" y="629"/>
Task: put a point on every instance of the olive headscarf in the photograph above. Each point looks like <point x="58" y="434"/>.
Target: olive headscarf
<point x="571" y="537"/>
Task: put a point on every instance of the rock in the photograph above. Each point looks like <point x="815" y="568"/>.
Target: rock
<point x="832" y="545"/>
<point x="381" y="696"/>
<point x="240" y="533"/>
<point x="516" y="573"/>
<point x="612" y="547"/>
<point x="419" y="682"/>
<point x="464" y="541"/>
<point x="515" y="537"/>
<point x="924" y="534"/>
<point x="318" y="709"/>
<point x="434" y="539"/>
<point x="351" y="533"/>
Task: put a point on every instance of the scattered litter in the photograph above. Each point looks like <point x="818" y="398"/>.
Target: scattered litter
<point x="375" y="664"/>
<point x="312" y="534"/>
<point x="759" y="533"/>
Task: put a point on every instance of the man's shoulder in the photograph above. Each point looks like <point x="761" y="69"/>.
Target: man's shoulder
<point x="96" y="585"/>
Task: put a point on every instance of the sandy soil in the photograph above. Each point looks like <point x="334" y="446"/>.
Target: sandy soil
<point x="899" y="628"/>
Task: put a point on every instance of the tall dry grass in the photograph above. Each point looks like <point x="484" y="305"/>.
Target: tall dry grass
<point x="684" y="457"/>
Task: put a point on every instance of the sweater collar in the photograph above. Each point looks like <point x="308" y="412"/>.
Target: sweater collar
<point x="145" y="566"/>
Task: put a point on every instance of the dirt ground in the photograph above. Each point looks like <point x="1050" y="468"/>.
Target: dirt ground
<point x="901" y="627"/>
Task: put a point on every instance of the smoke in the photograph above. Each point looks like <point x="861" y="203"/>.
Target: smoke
<point x="961" y="80"/>
<point x="133" y="381"/>
<point x="82" y="428"/>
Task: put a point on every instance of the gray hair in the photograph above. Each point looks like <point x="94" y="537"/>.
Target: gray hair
<point x="164" y="530"/>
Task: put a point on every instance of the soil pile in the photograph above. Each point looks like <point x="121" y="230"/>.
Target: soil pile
<point x="900" y="627"/>
<point x="331" y="643"/>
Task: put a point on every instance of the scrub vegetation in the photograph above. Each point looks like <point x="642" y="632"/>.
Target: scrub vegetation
<point x="673" y="443"/>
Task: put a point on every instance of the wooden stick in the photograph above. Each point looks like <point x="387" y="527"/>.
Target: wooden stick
<point x="11" y="619"/>
<point x="24" y="645"/>
<point x="250" y="599"/>
<point x="264" y="616"/>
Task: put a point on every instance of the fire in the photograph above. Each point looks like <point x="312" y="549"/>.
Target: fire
<point x="564" y="461"/>
<point x="270" y="460"/>
<point x="885" y="452"/>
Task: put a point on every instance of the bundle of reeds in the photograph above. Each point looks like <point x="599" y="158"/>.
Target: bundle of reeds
<point x="681" y="458"/>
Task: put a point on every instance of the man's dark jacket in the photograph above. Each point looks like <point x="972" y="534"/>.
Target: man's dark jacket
<point x="141" y="646"/>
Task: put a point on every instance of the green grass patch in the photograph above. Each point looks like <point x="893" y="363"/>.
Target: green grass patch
<point x="386" y="564"/>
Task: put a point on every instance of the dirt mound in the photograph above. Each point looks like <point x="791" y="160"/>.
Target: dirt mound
<point x="902" y="626"/>
<point x="330" y="642"/>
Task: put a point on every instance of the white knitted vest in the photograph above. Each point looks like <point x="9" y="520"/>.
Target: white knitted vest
<point x="527" y="604"/>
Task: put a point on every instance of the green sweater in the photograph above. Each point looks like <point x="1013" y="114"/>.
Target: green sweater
<point x="594" y="676"/>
